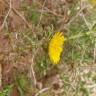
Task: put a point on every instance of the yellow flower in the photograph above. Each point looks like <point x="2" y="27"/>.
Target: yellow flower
<point x="56" y="47"/>
<point x="93" y="2"/>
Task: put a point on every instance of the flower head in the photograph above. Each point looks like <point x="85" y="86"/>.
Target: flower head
<point x="55" y="47"/>
<point x="93" y="2"/>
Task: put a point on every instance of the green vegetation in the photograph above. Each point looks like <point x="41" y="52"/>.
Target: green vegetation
<point x="25" y="48"/>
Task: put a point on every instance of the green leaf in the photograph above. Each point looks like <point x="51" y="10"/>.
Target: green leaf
<point x="6" y="90"/>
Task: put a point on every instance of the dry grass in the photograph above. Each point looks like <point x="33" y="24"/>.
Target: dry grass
<point x="25" y="31"/>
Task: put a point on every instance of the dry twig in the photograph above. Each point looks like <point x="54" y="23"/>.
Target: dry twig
<point x="5" y="19"/>
<point x="41" y="13"/>
<point x="42" y="90"/>
<point x="20" y="15"/>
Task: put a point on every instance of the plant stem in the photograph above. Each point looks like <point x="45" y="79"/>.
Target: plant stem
<point x="79" y="35"/>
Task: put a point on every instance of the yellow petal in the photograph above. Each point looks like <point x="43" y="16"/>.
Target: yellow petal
<point x="55" y="47"/>
<point x="93" y="2"/>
